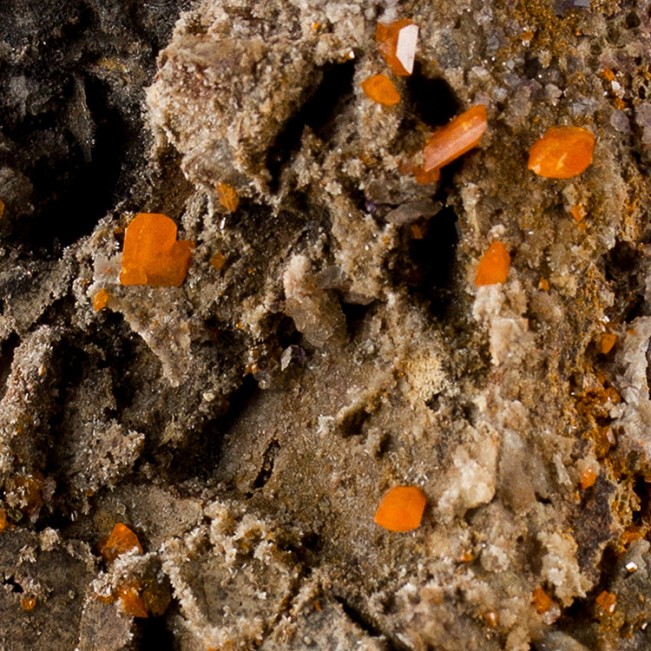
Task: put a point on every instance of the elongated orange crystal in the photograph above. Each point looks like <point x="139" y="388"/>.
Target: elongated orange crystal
<point x="121" y="541"/>
<point x="397" y="44"/>
<point x="380" y="89"/>
<point x="562" y="152"/>
<point x="456" y="138"/>
<point x="493" y="268"/>
<point x="152" y="255"/>
<point x="401" y="509"/>
<point x="100" y="300"/>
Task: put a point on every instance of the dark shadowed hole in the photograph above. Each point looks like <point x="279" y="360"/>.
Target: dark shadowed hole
<point x="426" y="265"/>
<point x="364" y="622"/>
<point x="622" y="270"/>
<point x="319" y="112"/>
<point x="7" y="349"/>
<point x="431" y="99"/>
<point x="74" y="194"/>
<point x="154" y="635"/>
<point x="268" y="460"/>
<point x="199" y="457"/>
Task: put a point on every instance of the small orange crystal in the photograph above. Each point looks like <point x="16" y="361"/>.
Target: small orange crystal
<point x="543" y="285"/>
<point x="152" y="255"/>
<point x="578" y="212"/>
<point x="380" y="89"/>
<point x="607" y="342"/>
<point x="2" y="207"/>
<point x="218" y="261"/>
<point x="562" y="152"/>
<point x="228" y="197"/>
<point x="28" y="602"/>
<point x="131" y="601"/>
<point x="493" y="268"/>
<point x="541" y="601"/>
<point x="3" y="520"/>
<point x="456" y="138"/>
<point x="100" y="300"/>
<point x="401" y="509"/>
<point x="121" y="541"/>
<point x="607" y="601"/>
<point x="397" y="44"/>
<point x="588" y="478"/>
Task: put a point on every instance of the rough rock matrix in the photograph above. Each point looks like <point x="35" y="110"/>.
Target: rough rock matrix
<point x="330" y="340"/>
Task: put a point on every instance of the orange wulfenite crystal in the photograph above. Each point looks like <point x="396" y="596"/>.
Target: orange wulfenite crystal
<point x="493" y="268"/>
<point x="397" y="44"/>
<point x="541" y="601"/>
<point x="425" y="178"/>
<point x="562" y="152"/>
<point x="100" y="300"/>
<point x="3" y="520"/>
<point x="152" y="255"/>
<point x="543" y="285"/>
<point x="131" y="601"/>
<point x="588" y="478"/>
<point x="380" y="89"/>
<point x="218" y="261"/>
<point x="578" y="212"/>
<point x="607" y="341"/>
<point x="28" y="603"/>
<point x="401" y="509"/>
<point x="228" y="197"/>
<point x="121" y="541"/>
<point x="456" y="138"/>
<point x="608" y="601"/>
<point x="2" y="207"/>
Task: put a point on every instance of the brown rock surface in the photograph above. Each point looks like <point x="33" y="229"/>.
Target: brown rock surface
<point x="245" y="424"/>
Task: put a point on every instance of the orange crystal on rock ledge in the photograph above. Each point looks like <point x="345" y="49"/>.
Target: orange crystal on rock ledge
<point x="152" y="255"/>
<point x="493" y="268"/>
<point x="397" y="44"/>
<point x="456" y="138"/>
<point x="380" y="89"/>
<point x="562" y="152"/>
<point x="401" y="509"/>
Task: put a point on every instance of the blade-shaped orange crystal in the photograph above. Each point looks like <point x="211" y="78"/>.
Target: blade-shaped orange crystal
<point x="455" y="138"/>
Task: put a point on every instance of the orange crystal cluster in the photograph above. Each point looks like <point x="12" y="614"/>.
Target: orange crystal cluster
<point x="562" y="152"/>
<point x="397" y="44"/>
<point x="152" y="255"/>
<point x="459" y="136"/>
<point x="494" y="265"/>
<point x="401" y="509"/>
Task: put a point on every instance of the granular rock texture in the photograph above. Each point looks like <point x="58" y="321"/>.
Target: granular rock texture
<point x="330" y="341"/>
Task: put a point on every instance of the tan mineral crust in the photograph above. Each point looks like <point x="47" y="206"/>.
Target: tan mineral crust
<point x="246" y="424"/>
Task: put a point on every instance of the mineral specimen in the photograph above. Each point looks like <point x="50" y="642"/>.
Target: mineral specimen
<point x="152" y="255"/>
<point x="397" y="43"/>
<point x="562" y="152"/>
<point x="455" y="139"/>
<point x="401" y="509"/>
<point x="381" y="89"/>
